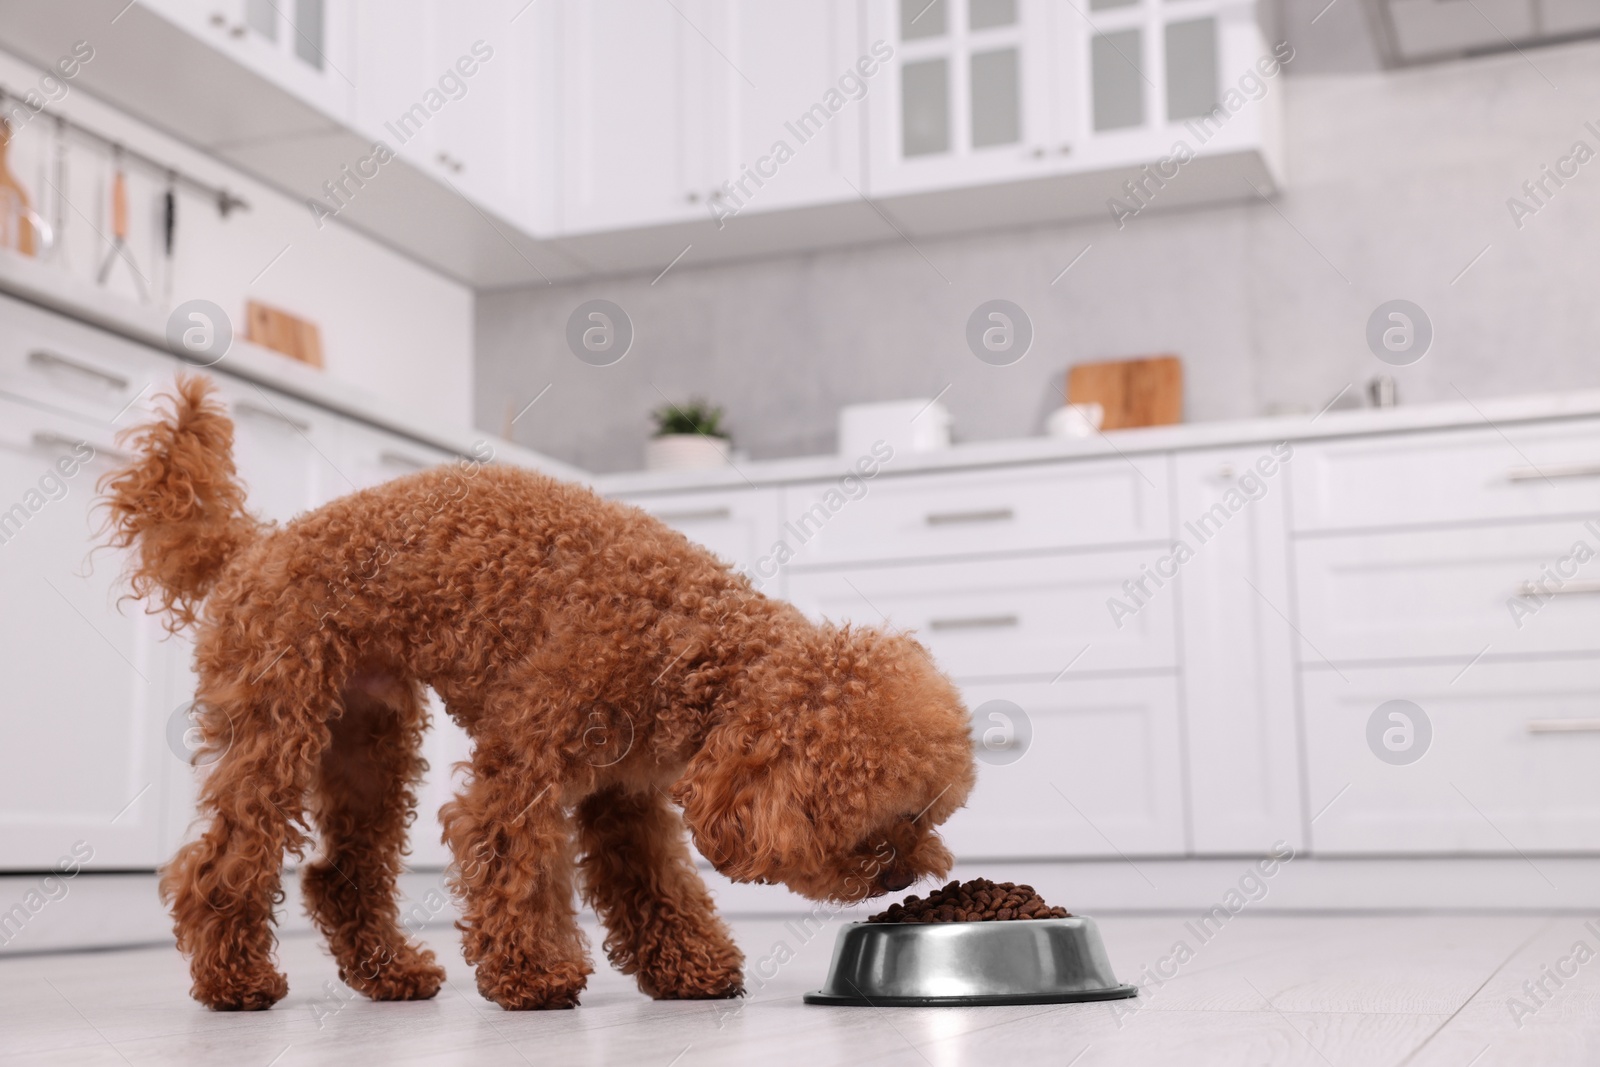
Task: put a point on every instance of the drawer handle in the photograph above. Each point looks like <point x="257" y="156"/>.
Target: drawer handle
<point x="700" y="515"/>
<point x="983" y="745"/>
<point x="52" y="439"/>
<point x="951" y="518"/>
<point x="244" y="407"/>
<point x="44" y="356"/>
<point x="1569" y="589"/>
<point x="1564" y="726"/>
<point x="400" y="459"/>
<point x="975" y="622"/>
<point x="1539" y="474"/>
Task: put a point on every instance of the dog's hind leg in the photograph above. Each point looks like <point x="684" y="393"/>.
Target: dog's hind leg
<point x="661" y="925"/>
<point x="221" y="887"/>
<point x="362" y="799"/>
<point x="513" y="872"/>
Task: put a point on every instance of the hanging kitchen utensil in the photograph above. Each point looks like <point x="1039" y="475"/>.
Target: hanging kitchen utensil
<point x="58" y="195"/>
<point x="169" y="231"/>
<point x="119" y="231"/>
<point x="17" y="226"/>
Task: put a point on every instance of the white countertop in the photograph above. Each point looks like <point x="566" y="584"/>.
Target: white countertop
<point x="1198" y="435"/>
<point x="39" y="284"/>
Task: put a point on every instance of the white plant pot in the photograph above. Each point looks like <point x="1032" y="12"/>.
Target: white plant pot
<point x="685" y="451"/>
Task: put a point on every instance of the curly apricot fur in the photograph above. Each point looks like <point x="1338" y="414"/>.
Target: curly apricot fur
<point x="604" y="666"/>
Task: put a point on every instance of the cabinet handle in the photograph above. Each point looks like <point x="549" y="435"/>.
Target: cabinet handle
<point x="702" y="515"/>
<point x="998" y="746"/>
<point x="951" y="518"/>
<point x="1539" y="474"/>
<point x="1564" y="726"/>
<point x="975" y="622"/>
<point x="1569" y="589"/>
<point x="400" y="459"/>
<point x="45" y="356"/>
<point x="450" y="163"/>
<point x="244" y="407"/>
<point x="52" y="439"/>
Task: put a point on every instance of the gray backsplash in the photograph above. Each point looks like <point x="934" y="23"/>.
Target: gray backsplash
<point x="1396" y="182"/>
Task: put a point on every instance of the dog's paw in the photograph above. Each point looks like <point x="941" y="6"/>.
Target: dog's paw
<point x="405" y="975"/>
<point x="714" y="983"/>
<point x="240" y="992"/>
<point x="549" y="990"/>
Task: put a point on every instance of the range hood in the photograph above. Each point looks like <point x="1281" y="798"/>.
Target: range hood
<point x="1426" y="31"/>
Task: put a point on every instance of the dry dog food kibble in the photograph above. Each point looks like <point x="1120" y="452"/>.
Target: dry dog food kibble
<point x="979" y="900"/>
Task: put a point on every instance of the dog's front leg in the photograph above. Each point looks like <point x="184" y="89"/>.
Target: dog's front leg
<point x="513" y="872"/>
<point x="662" y="927"/>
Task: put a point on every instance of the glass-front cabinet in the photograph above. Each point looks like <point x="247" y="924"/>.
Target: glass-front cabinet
<point x="995" y="90"/>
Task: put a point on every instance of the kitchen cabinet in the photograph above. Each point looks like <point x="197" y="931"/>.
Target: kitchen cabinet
<point x="97" y="750"/>
<point x="1503" y="766"/>
<point x="305" y="47"/>
<point x="86" y="679"/>
<point x="632" y="148"/>
<point x="462" y="93"/>
<point x="1100" y="775"/>
<point x="1238" y="678"/>
<point x="784" y="114"/>
<point x="987" y="91"/>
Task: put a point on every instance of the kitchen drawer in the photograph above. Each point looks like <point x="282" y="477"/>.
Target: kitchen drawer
<point x="1004" y="617"/>
<point x="1514" y="472"/>
<point x="1450" y="592"/>
<point x="1510" y="766"/>
<point x="739" y="525"/>
<point x="1093" y="502"/>
<point x="1100" y="774"/>
<point x="46" y="359"/>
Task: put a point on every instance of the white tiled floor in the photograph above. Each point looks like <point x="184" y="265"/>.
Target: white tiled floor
<point x="1278" y="990"/>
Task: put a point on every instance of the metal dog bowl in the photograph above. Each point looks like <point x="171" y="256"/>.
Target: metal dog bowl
<point x="1026" y="961"/>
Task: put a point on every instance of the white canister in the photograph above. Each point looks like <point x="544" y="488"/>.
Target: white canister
<point x="905" y="425"/>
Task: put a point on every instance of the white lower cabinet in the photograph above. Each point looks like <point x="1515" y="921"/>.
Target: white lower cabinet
<point x="1500" y="759"/>
<point x="1092" y="767"/>
<point x="1039" y="615"/>
<point x="85" y="677"/>
<point x="1238" y="678"/>
<point x="1495" y="590"/>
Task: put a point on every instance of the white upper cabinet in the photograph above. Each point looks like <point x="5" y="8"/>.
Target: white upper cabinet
<point x="965" y="97"/>
<point x="984" y="91"/>
<point x="629" y="98"/>
<point x="785" y="87"/>
<point x="457" y="92"/>
<point x="304" y="46"/>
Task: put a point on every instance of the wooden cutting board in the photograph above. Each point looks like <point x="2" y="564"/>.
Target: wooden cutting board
<point x="280" y="331"/>
<point x="1134" y="392"/>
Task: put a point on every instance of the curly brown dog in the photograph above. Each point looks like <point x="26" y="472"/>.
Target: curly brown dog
<point x="606" y="669"/>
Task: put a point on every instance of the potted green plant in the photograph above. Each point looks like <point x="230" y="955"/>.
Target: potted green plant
<point x="688" y="436"/>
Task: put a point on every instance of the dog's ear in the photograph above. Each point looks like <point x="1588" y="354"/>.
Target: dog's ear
<point x="738" y="798"/>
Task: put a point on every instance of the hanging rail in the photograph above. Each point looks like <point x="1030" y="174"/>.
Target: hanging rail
<point x="225" y="201"/>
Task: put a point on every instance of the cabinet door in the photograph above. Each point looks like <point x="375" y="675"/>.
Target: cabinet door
<point x="786" y="103"/>
<point x="1097" y="771"/>
<point x="1500" y="760"/>
<point x="303" y="46"/>
<point x="488" y="72"/>
<point x="627" y="94"/>
<point x="1238" y="653"/>
<point x="965" y="98"/>
<point x="83" y="757"/>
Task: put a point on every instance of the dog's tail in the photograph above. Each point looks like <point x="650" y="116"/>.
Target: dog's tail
<point x="179" y="503"/>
